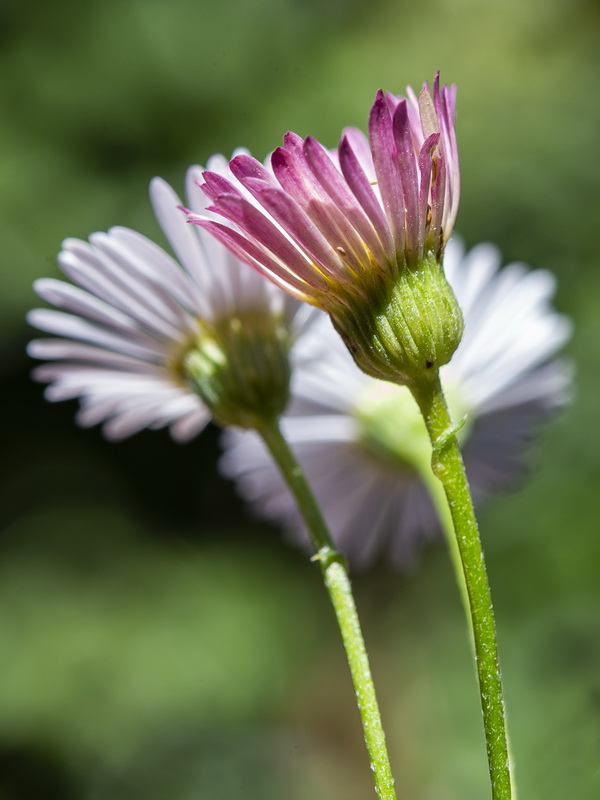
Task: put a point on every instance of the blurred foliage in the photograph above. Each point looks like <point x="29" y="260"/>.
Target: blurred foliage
<point x="155" y="644"/>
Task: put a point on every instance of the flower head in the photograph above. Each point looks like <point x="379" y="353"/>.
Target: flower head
<point x="363" y="442"/>
<point x="359" y="233"/>
<point x="147" y="341"/>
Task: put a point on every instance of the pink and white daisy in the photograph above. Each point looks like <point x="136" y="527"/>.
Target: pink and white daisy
<point x="132" y="313"/>
<point x="323" y="219"/>
<point x="359" y="439"/>
<point x="358" y="233"/>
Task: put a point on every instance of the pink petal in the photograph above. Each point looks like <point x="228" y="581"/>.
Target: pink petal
<point x="408" y="172"/>
<point x="362" y="190"/>
<point x="385" y="160"/>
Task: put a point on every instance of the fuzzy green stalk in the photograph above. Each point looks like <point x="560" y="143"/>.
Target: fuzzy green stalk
<point x="448" y="467"/>
<point x="337" y="583"/>
<point x="438" y="498"/>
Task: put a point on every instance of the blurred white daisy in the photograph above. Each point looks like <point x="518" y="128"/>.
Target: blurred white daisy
<point x="135" y="312"/>
<point x="360" y="439"/>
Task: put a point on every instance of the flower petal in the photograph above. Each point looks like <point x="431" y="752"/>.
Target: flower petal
<point x="385" y="161"/>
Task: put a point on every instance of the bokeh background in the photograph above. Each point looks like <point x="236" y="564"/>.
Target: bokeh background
<point x="155" y="643"/>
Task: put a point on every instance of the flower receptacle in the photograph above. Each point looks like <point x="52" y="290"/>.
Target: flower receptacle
<point x="407" y="329"/>
<point x="240" y="368"/>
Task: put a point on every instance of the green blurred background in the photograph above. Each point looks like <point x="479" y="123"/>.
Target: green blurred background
<point x="156" y="644"/>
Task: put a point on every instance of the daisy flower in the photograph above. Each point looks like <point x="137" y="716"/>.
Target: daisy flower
<point x="147" y="341"/>
<point x="362" y="442"/>
<point x="359" y="232"/>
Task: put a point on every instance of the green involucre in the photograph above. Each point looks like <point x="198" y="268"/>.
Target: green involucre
<point x="406" y="327"/>
<point x="240" y="368"/>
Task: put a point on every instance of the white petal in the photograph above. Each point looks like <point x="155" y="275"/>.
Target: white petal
<point x="115" y="279"/>
<point x="190" y="425"/>
<point x="77" y="328"/>
<point x="69" y="350"/>
<point x="145" y="295"/>
<point x="196" y="200"/>
<point x="180" y="233"/>
<point x="162" y="269"/>
<point x="71" y="298"/>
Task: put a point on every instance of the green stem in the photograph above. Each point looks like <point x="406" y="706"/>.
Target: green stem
<point x="448" y="467"/>
<point x="338" y="586"/>
<point x="438" y="498"/>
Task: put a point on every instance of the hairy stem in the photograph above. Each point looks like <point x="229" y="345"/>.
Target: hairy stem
<point x="448" y="467"/>
<point x="337" y="583"/>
